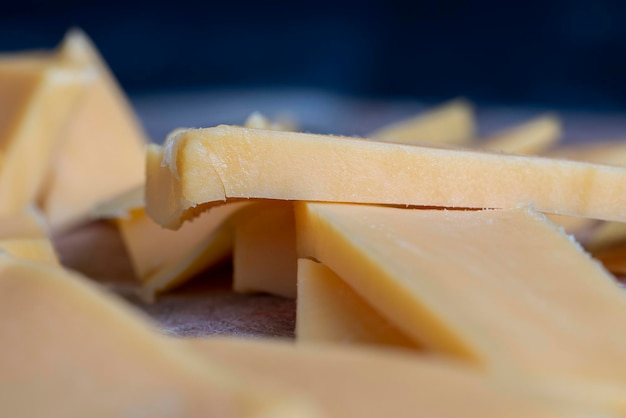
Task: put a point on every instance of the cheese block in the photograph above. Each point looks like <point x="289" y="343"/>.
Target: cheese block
<point x="329" y="311"/>
<point x="533" y="137"/>
<point x="36" y="99"/>
<point x="212" y="165"/>
<point x="70" y="350"/>
<point x="25" y="235"/>
<point x="451" y="123"/>
<point x="102" y="149"/>
<point x="383" y="383"/>
<point x="264" y="253"/>
<point x="502" y="289"/>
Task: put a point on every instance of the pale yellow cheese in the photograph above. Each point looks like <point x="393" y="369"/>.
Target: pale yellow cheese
<point x="102" y="150"/>
<point x="227" y="162"/>
<point x="329" y="311"/>
<point x="451" y="123"/>
<point x="504" y="289"/>
<point x="264" y="253"/>
<point x="69" y="350"/>
<point x="601" y="152"/>
<point x="532" y="137"/>
<point x="383" y="383"/>
<point x="25" y="235"/>
<point x="36" y="100"/>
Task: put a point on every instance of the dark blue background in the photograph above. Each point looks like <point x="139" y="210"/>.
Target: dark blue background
<point x="566" y="54"/>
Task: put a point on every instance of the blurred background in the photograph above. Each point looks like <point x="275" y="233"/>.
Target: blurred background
<point x="564" y="55"/>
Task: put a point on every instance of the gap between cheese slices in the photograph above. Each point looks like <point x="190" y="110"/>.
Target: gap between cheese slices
<point x="208" y="166"/>
<point x="357" y="382"/>
<point x="530" y="138"/>
<point x="101" y="153"/>
<point x="503" y="289"/>
<point x="328" y="310"/>
<point x="70" y="350"/>
<point x="37" y="98"/>
<point x="450" y="123"/>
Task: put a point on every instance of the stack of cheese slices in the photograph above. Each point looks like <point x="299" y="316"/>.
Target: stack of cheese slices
<point x="436" y="274"/>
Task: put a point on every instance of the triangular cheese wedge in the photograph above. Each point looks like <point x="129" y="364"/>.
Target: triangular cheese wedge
<point x="69" y="350"/>
<point x="37" y="96"/>
<point x="329" y="311"/>
<point x="503" y="289"/>
<point x="530" y="138"/>
<point x="102" y="150"/>
<point x="451" y="123"/>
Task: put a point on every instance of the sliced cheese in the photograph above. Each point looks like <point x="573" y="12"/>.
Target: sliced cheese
<point x="215" y="247"/>
<point x="25" y="235"/>
<point x="533" y="137"/>
<point x="36" y="101"/>
<point x="329" y="311"/>
<point x="451" y="123"/>
<point x="601" y="152"/>
<point x="376" y="383"/>
<point x="226" y="162"/>
<point x="71" y="351"/>
<point x="264" y="254"/>
<point x="503" y="289"/>
<point x="102" y="150"/>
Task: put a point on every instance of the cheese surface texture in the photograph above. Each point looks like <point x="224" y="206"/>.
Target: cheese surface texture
<point x="226" y="162"/>
<point x="503" y="289"/>
<point x="70" y="351"/>
<point x="328" y="310"/>
<point x="367" y="383"/>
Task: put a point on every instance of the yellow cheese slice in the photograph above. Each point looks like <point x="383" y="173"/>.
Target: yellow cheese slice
<point x="264" y="254"/>
<point x="227" y="162"/>
<point x="328" y="310"/>
<point x="382" y="383"/>
<point x="504" y="289"/>
<point x="25" y="235"/>
<point x="69" y="350"/>
<point x="36" y="101"/>
<point x="102" y="150"/>
<point x="533" y="137"/>
<point x="451" y="123"/>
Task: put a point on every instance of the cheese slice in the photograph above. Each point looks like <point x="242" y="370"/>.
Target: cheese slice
<point x="102" y="150"/>
<point x="451" y="123"/>
<point x="382" y="383"/>
<point x="25" y="235"/>
<point x="70" y="350"/>
<point x="35" y="102"/>
<point x="264" y="254"/>
<point x="533" y="137"/>
<point x="227" y="162"/>
<point x="503" y="289"/>
<point x="329" y="311"/>
<point x="601" y="152"/>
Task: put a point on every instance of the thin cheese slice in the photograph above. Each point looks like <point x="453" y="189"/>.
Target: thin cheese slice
<point x="102" y="150"/>
<point x="504" y="289"/>
<point x="533" y="137"/>
<point x="451" y="123"/>
<point x="372" y="383"/>
<point x="227" y="162"/>
<point x="330" y="311"/>
<point x="69" y="350"/>
<point x="36" y="101"/>
<point x="264" y="254"/>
